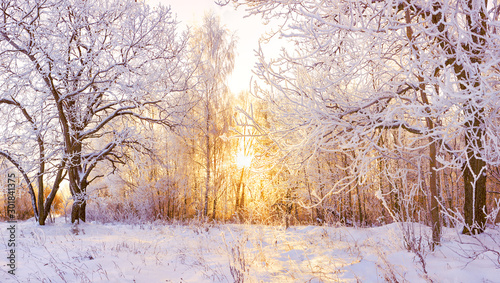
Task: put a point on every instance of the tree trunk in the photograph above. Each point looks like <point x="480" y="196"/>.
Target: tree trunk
<point x="474" y="170"/>
<point x="242" y="204"/>
<point x="75" y="212"/>
<point x="434" y="203"/>
<point x="214" y="208"/>
<point x="240" y="194"/>
<point x="475" y="186"/>
<point x="207" y="169"/>
<point x="78" y="211"/>
<point x="360" y="211"/>
<point x="52" y="195"/>
<point x="433" y="187"/>
<point x="79" y="191"/>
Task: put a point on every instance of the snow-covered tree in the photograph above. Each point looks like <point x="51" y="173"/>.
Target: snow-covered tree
<point x="76" y="76"/>
<point x="423" y="72"/>
<point x="212" y="51"/>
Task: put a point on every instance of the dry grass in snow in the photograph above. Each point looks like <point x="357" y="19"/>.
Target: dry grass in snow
<point x="92" y="252"/>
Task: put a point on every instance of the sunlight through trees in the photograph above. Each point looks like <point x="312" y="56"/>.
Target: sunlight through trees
<point x="375" y="112"/>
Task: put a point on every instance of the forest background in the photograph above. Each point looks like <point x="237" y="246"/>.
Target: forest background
<point x="377" y="112"/>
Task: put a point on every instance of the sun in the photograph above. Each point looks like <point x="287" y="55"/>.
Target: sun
<point x="243" y="160"/>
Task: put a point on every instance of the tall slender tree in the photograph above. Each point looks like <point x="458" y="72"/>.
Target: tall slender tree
<point x="213" y="52"/>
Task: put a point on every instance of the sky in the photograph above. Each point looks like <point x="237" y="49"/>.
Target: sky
<point x="248" y="31"/>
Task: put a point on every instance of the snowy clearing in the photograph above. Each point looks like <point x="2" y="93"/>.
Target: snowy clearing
<point x="252" y="253"/>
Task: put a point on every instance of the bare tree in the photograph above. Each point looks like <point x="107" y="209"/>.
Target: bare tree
<point x="80" y="74"/>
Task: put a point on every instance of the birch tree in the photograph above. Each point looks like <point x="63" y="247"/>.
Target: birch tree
<point x="424" y="71"/>
<point x="76" y="78"/>
<point x="212" y="52"/>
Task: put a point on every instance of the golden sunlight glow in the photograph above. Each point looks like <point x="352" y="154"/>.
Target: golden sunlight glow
<point x="243" y="160"/>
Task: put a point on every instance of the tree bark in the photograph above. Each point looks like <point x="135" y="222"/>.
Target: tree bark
<point x="78" y="209"/>
<point x="474" y="168"/>
<point x="474" y="182"/>
<point x="434" y="203"/>
<point x="474" y="173"/>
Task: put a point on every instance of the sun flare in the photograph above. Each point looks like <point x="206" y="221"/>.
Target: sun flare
<point x="243" y="160"/>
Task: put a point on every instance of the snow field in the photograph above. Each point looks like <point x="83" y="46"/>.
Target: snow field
<point x="92" y="252"/>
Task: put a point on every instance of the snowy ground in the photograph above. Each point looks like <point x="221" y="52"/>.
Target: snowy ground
<point x="225" y="253"/>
